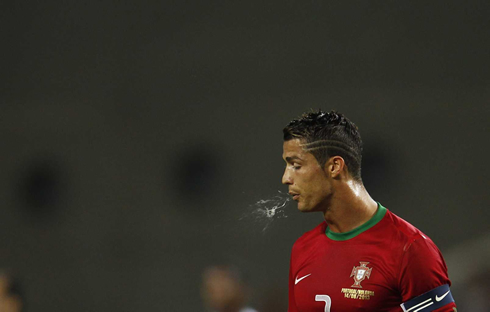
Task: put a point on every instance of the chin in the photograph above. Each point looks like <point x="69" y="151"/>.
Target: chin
<point x="308" y="207"/>
<point x="302" y="208"/>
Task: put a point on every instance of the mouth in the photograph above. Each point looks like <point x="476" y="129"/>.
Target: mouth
<point x="295" y="195"/>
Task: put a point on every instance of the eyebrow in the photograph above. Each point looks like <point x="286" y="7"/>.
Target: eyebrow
<point x="291" y="158"/>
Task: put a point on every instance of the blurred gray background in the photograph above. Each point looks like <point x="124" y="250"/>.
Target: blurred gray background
<point x="135" y="135"/>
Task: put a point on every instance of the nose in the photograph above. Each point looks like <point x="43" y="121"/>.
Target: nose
<point x="286" y="177"/>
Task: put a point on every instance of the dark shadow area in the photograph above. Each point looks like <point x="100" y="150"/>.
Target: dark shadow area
<point x="196" y="174"/>
<point x="40" y="188"/>
<point x="378" y="168"/>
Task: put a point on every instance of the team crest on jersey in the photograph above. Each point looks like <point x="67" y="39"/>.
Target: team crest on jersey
<point x="360" y="273"/>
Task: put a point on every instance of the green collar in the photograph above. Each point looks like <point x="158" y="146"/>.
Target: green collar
<point x="380" y="213"/>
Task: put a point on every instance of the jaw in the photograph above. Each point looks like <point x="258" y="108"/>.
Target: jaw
<point x="312" y="205"/>
<point x="306" y="206"/>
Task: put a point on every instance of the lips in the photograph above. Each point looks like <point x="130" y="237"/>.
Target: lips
<point x="295" y="195"/>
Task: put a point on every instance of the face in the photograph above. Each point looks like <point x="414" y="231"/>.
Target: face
<point x="8" y="302"/>
<point x="308" y="182"/>
<point x="220" y="290"/>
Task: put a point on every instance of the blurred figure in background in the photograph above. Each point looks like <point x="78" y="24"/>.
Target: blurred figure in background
<point x="475" y="295"/>
<point x="469" y="262"/>
<point x="10" y="294"/>
<point x="223" y="290"/>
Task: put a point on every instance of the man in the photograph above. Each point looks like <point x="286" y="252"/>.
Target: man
<point x="10" y="294"/>
<point x="223" y="290"/>
<point x="363" y="257"/>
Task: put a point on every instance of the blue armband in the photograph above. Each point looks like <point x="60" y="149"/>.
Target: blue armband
<point x="430" y="301"/>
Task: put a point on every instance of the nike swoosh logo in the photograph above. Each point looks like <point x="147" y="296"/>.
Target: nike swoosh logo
<point x="441" y="297"/>
<point x="301" y="278"/>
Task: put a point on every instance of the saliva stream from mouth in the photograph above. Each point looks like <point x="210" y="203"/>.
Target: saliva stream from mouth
<point x="265" y="211"/>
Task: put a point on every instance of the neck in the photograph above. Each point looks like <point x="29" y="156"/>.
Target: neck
<point x="350" y="206"/>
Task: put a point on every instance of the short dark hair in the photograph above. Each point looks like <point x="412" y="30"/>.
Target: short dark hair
<point x="327" y="134"/>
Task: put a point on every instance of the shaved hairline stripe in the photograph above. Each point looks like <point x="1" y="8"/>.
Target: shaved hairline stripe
<point x="309" y="150"/>
<point x="308" y="147"/>
<point x="322" y="142"/>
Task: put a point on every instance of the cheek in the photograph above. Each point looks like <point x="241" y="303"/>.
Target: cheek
<point x="320" y="187"/>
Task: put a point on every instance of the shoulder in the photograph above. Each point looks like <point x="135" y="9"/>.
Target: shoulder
<point x="403" y="231"/>
<point x="415" y="256"/>
<point x="419" y="256"/>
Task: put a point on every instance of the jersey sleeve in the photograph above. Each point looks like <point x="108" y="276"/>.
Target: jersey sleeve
<point x="422" y="270"/>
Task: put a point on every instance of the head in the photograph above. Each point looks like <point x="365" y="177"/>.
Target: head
<point x="223" y="289"/>
<point x="10" y="294"/>
<point x="320" y="148"/>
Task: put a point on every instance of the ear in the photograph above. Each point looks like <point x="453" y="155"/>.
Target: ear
<point x="335" y="166"/>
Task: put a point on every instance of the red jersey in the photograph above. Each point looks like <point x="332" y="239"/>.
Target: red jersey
<point x="375" y="267"/>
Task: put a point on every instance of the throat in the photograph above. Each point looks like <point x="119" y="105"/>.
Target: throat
<point x="344" y="217"/>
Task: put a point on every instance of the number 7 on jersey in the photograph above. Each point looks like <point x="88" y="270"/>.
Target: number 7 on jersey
<point x="326" y="299"/>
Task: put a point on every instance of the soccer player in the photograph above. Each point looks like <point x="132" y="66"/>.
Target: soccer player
<point x="362" y="257"/>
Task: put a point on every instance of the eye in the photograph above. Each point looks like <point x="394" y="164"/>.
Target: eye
<point x="296" y="166"/>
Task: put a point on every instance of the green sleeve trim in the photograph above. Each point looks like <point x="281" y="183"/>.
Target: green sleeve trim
<point x="380" y="213"/>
